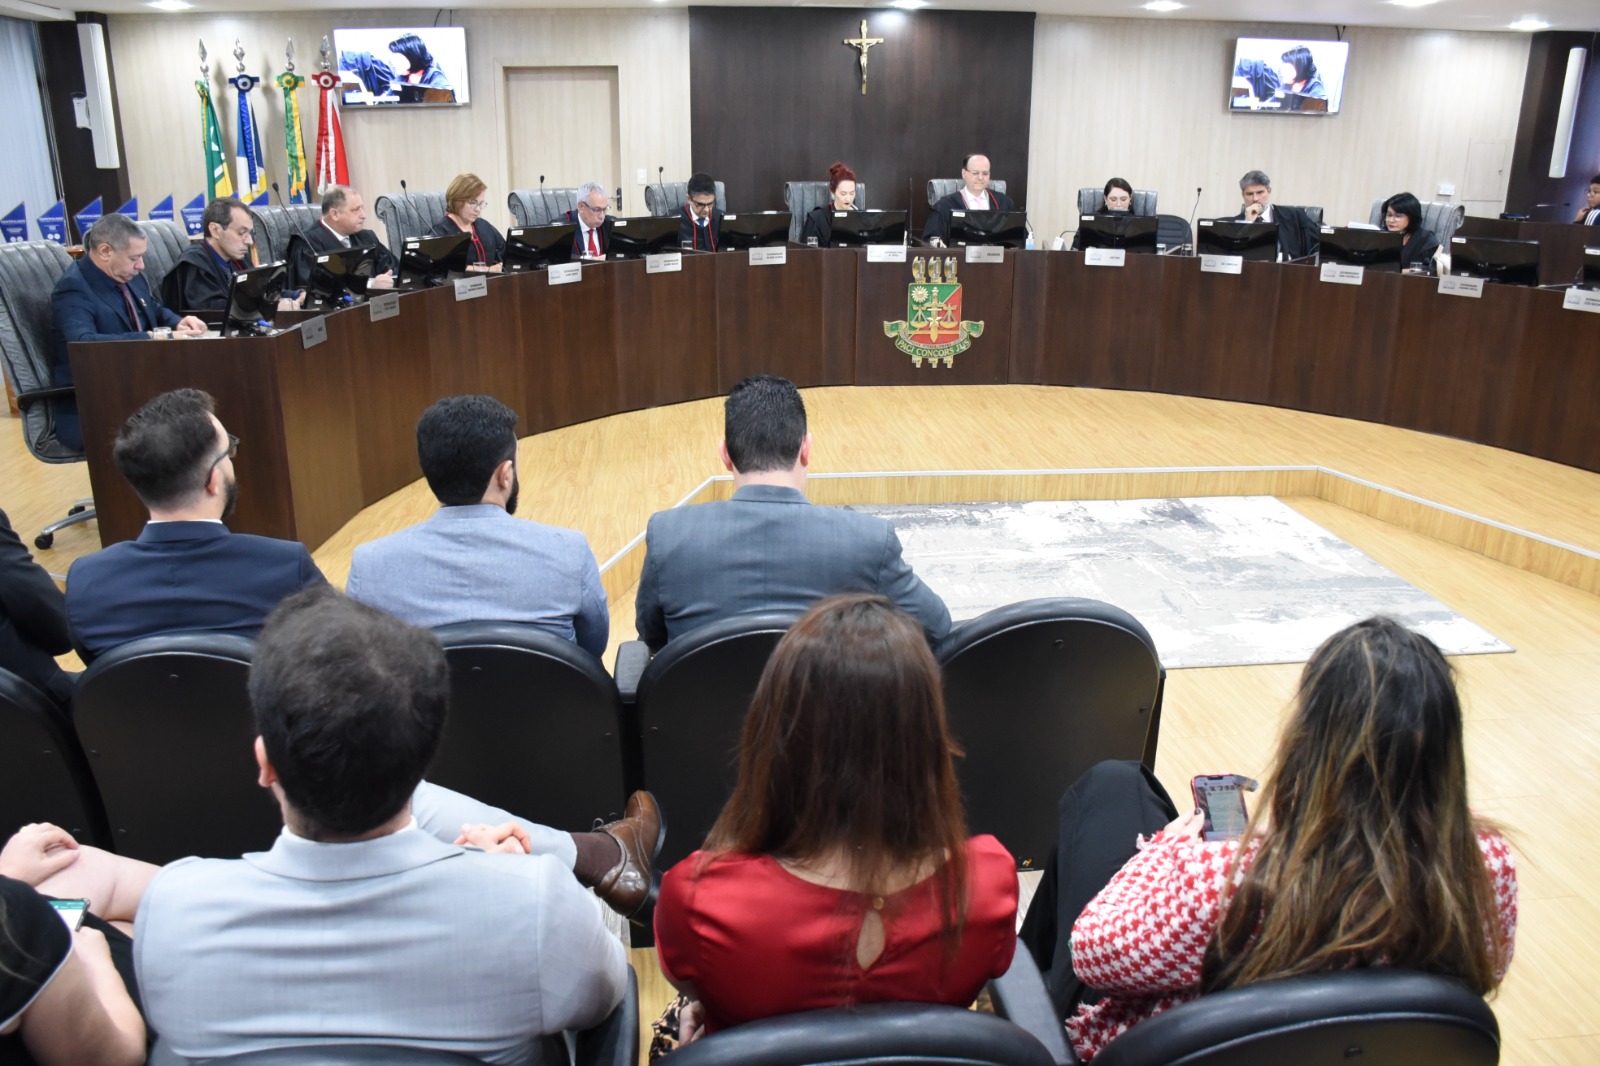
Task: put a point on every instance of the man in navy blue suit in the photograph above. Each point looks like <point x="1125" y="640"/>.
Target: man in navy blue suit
<point x="186" y="572"/>
<point x="102" y="297"/>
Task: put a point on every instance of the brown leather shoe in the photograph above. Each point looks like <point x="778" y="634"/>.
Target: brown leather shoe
<point x="629" y="887"/>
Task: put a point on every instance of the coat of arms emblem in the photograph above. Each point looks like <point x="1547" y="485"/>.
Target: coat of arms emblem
<point x="933" y="328"/>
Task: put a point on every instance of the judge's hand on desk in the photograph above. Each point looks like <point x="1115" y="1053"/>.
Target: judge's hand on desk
<point x="480" y="268"/>
<point x="293" y="304"/>
<point x="189" y="326"/>
<point x="382" y="281"/>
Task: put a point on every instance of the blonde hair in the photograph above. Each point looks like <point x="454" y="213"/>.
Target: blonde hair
<point x="465" y="187"/>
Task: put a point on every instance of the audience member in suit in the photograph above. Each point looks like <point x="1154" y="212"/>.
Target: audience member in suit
<point x="1116" y="200"/>
<point x="343" y="225"/>
<point x="365" y="929"/>
<point x="33" y="619"/>
<point x="185" y="572"/>
<point x="1589" y="214"/>
<point x="101" y="297"/>
<point x="846" y="797"/>
<point x="841" y="197"/>
<point x="589" y="240"/>
<point x="699" y="220"/>
<point x="463" y="213"/>
<point x="472" y="561"/>
<point x="768" y="548"/>
<point x="1297" y="234"/>
<point x="1402" y="213"/>
<point x="1362" y="851"/>
<point x="203" y="274"/>
<point x="974" y="195"/>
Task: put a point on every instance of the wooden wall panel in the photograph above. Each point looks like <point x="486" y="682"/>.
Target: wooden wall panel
<point x="776" y="97"/>
<point x="1531" y="190"/>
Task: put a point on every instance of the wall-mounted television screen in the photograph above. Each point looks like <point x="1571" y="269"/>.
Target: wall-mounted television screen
<point x="1288" y="76"/>
<point x="423" y="65"/>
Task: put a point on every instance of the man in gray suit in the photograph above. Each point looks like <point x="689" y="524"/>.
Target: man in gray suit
<point x="472" y="561"/>
<point x="361" y="925"/>
<point x="768" y="548"/>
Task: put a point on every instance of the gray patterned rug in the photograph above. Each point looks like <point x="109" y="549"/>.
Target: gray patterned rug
<point x="1218" y="581"/>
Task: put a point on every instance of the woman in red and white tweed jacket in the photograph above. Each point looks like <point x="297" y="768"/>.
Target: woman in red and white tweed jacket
<point x="1362" y="852"/>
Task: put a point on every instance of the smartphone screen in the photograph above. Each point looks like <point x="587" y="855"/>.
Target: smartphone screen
<point x="1220" y="798"/>
<point x="71" y="911"/>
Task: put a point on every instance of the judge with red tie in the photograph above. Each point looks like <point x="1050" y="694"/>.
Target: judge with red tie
<point x="594" y="228"/>
<point x="699" y="220"/>
<point x="102" y="297"/>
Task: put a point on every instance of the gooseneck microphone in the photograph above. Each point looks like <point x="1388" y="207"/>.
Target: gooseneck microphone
<point x="1195" y="211"/>
<point x="544" y="201"/>
<point x="662" y="185"/>
<point x="304" y="235"/>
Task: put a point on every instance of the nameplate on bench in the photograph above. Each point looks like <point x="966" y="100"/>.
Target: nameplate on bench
<point x="1451" y="285"/>
<point x="886" y="253"/>
<point x="313" y="332"/>
<point x="1343" y="273"/>
<point x="665" y="263"/>
<point x="985" y="253"/>
<point x="471" y="288"/>
<point x="777" y="256"/>
<point x="564" y="273"/>
<point x="1222" y="264"/>
<point x="384" y="307"/>
<point x="1581" y="300"/>
<point x="1105" y="257"/>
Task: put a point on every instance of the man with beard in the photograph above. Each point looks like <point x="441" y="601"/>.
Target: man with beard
<point x="472" y="561"/>
<point x="186" y="572"/>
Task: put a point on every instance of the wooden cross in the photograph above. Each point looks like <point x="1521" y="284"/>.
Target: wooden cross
<point x="863" y="43"/>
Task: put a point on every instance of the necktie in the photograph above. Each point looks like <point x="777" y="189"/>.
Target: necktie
<point x="594" y="249"/>
<point x="133" y="312"/>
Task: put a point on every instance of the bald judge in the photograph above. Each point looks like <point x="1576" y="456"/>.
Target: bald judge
<point x="974" y="195"/>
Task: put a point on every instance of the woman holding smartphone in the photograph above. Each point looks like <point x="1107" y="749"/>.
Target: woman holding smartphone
<point x="1362" y="852"/>
<point x="840" y="872"/>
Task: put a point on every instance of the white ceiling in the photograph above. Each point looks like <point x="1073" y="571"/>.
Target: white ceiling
<point x="1445" y="14"/>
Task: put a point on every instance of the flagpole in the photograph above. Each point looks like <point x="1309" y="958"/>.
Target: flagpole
<point x="331" y="166"/>
<point x="251" y="167"/>
<point x="217" y="182"/>
<point x="293" y="139"/>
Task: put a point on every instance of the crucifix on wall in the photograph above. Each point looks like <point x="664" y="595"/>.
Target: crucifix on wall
<point x="863" y="43"/>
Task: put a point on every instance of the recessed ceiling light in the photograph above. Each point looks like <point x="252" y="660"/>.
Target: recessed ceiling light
<point x="908" y="5"/>
<point x="1529" y="24"/>
<point x="1412" y="3"/>
<point x="1163" y="6"/>
<point x="169" y="5"/>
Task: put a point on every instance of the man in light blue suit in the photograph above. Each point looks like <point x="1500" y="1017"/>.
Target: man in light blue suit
<point x="472" y="561"/>
<point x="361" y="925"/>
<point x="768" y="548"/>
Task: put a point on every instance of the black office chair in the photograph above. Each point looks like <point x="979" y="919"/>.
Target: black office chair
<point x="409" y="215"/>
<point x="166" y="724"/>
<point x="614" y="1042"/>
<point x="275" y="225"/>
<point x="165" y="241"/>
<point x="541" y="207"/>
<point x="800" y="197"/>
<point x="691" y="706"/>
<point x="43" y="774"/>
<point x="535" y="725"/>
<point x="939" y="188"/>
<point x="28" y="275"/>
<point x="1023" y="1031"/>
<point x="1370" y="1017"/>
<point x="667" y="198"/>
<point x="1037" y="692"/>
<point x="1142" y="202"/>
<point x="1174" y="232"/>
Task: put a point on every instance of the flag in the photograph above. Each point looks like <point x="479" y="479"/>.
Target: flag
<point x="293" y="139"/>
<point x="130" y="209"/>
<point x="15" y="225"/>
<point x="331" y="166"/>
<point x="53" y="223"/>
<point x="250" y="168"/>
<point x="217" y="181"/>
<point x="162" y="211"/>
<point x="88" y="217"/>
<point x="194" y="212"/>
<point x="261" y="201"/>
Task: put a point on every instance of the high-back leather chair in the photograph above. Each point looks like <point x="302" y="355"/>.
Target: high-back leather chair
<point x="166" y="724"/>
<point x="667" y="198"/>
<point x="1091" y="201"/>
<point x="1313" y="213"/>
<point x="1372" y="1017"/>
<point x="939" y="188"/>
<point x="1439" y="218"/>
<point x="275" y="225"/>
<point x="43" y="774"/>
<point x="1037" y="692"/>
<point x="691" y="705"/>
<point x="29" y="271"/>
<point x="535" y="725"/>
<point x="802" y="197"/>
<point x="409" y="215"/>
<point x="165" y="241"/>
<point x="1173" y="231"/>
<point x="541" y="207"/>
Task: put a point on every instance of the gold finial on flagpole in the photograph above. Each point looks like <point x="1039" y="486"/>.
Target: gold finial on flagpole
<point x="327" y="53"/>
<point x="288" y="54"/>
<point x="238" y="54"/>
<point x="205" y="67"/>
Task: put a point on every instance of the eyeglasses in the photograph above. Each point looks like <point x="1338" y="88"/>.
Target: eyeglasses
<point x="233" y="450"/>
<point x="703" y="206"/>
<point x="593" y="209"/>
<point x="479" y="204"/>
<point x="979" y="173"/>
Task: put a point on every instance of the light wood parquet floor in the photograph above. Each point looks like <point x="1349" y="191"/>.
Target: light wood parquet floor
<point x="1533" y="732"/>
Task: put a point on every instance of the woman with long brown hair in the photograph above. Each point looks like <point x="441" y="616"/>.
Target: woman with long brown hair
<point x="1362" y="852"/>
<point x="840" y="871"/>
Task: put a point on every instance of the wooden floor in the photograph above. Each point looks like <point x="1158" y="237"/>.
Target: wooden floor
<point x="1533" y="731"/>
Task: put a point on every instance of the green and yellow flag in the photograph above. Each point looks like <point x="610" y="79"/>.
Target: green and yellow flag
<point x="293" y="139"/>
<point x="217" y="181"/>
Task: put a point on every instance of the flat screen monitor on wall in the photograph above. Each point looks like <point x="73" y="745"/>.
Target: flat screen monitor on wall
<point x="388" y="67"/>
<point x="1286" y="76"/>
